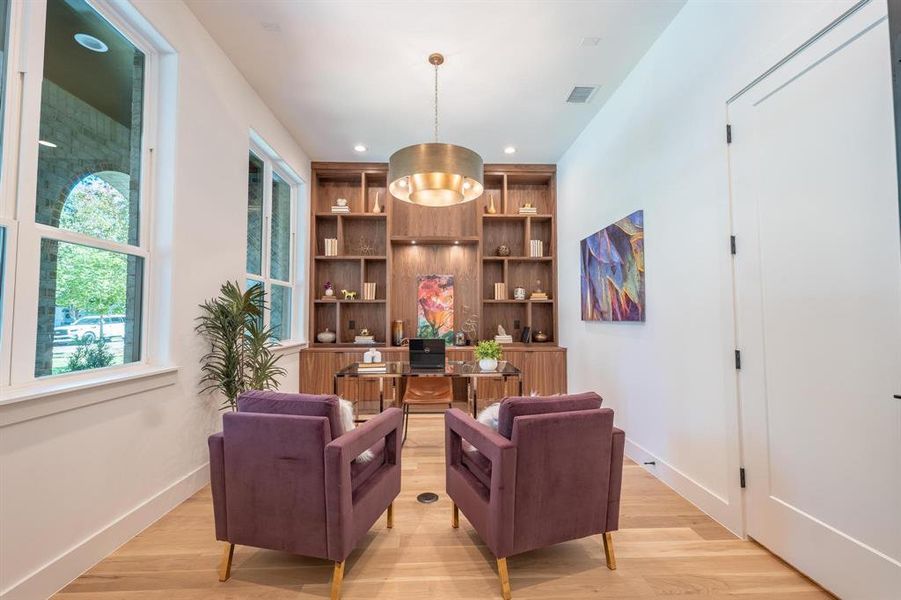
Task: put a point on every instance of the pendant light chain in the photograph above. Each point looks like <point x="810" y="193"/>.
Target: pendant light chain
<point x="436" y="103"/>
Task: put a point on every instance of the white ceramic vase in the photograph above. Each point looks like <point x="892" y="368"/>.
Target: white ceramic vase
<point x="488" y="364"/>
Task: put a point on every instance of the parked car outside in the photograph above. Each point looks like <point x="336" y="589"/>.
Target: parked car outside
<point x="87" y="330"/>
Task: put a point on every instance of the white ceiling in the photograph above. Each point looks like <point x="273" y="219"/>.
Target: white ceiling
<point x="342" y="73"/>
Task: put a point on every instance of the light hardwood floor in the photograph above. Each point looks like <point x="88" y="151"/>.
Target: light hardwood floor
<point x="666" y="547"/>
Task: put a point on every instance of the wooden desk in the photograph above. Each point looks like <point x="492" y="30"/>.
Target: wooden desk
<point x="543" y="369"/>
<point x="468" y="371"/>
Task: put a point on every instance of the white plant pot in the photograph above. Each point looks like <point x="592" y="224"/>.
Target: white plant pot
<point x="488" y="364"/>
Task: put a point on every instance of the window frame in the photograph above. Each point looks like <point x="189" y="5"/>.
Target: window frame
<point x="273" y="163"/>
<point x="27" y="30"/>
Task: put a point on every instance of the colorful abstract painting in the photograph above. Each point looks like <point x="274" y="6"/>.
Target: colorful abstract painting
<point x="435" y="307"/>
<point x="613" y="272"/>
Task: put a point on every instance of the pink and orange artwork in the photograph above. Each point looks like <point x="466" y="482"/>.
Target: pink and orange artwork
<point x="435" y="307"/>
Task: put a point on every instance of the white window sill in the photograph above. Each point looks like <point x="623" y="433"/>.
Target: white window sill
<point x="50" y="396"/>
<point x="289" y="347"/>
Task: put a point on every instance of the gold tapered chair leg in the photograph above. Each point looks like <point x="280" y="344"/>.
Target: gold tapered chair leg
<point x="455" y="519"/>
<point x="337" y="578"/>
<point x="391" y="515"/>
<point x="608" y="551"/>
<point x="504" y="577"/>
<point x="225" y="565"/>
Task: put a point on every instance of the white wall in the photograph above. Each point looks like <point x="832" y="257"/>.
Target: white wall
<point x="659" y="145"/>
<point x="75" y="485"/>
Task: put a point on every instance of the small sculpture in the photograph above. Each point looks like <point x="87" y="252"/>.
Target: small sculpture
<point x="503" y="250"/>
<point x="501" y="330"/>
<point x="376" y="208"/>
<point x="364" y="333"/>
<point x="491" y="210"/>
<point x="341" y="201"/>
<point x="348" y="295"/>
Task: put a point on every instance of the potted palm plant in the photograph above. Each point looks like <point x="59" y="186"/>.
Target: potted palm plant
<point x="487" y="352"/>
<point x="240" y="356"/>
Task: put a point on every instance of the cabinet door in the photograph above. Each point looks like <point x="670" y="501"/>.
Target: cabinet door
<point x="547" y="373"/>
<point x="317" y="370"/>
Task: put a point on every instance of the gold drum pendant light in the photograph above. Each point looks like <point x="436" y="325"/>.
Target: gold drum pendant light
<point x="435" y="174"/>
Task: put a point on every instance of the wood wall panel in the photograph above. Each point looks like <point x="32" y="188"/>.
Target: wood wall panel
<point x="410" y="262"/>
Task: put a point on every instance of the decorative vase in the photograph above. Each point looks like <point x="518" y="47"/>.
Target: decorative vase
<point x="341" y="201"/>
<point x="519" y="293"/>
<point x="488" y="364"/>
<point x="503" y="250"/>
<point x="329" y="292"/>
<point x="376" y="208"/>
<point x="326" y="337"/>
<point x="397" y="332"/>
<point x="539" y="337"/>
<point x="491" y="210"/>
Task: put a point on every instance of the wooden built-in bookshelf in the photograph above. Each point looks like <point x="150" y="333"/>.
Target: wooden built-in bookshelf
<point x="394" y="247"/>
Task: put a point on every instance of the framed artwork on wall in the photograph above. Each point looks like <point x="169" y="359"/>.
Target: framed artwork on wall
<point x="613" y="286"/>
<point x="435" y="307"/>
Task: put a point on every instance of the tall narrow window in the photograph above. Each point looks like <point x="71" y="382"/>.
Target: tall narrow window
<point x="271" y="210"/>
<point x="89" y="193"/>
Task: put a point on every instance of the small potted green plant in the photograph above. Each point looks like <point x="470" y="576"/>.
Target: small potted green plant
<point x="488" y="352"/>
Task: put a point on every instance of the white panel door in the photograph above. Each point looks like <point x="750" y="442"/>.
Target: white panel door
<point x="818" y="305"/>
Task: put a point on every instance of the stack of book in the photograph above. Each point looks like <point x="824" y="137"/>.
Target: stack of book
<point x="364" y="339"/>
<point x="528" y="210"/>
<point x="536" y="248"/>
<point x="373" y="367"/>
<point x="500" y="291"/>
<point x="341" y="209"/>
<point x="331" y="246"/>
<point x="368" y="290"/>
<point x="503" y="339"/>
<point x="538" y="296"/>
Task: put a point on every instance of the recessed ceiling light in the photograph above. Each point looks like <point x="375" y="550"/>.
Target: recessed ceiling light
<point x="270" y="26"/>
<point x="509" y="150"/>
<point x="360" y="148"/>
<point x="90" y="42"/>
<point x="590" y="41"/>
<point x="46" y="143"/>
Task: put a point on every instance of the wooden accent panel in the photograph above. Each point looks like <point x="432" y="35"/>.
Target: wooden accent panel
<point x="409" y="262"/>
<point x="454" y="221"/>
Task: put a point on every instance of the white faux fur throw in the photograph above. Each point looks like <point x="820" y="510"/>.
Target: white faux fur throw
<point x="347" y="424"/>
<point x="489" y="415"/>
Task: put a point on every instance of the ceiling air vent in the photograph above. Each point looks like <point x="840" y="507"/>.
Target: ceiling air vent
<point x="582" y="94"/>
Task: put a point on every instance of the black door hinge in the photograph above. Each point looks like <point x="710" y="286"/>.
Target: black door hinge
<point x="732" y="243"/>
<point x="741" y="477"/>
<point x="738" y="360"/>
<point x="728" y="134"/>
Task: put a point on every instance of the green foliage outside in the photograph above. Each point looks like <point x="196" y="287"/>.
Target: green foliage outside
<point x="92" y="281"/>
<point x="240" y="356"/>
<point x="488" y="349"/>
<point x="90" y="355"/>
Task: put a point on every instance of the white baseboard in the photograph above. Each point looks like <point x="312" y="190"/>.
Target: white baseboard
<point x="714" y="505"/>
<point x="59" y="572"/>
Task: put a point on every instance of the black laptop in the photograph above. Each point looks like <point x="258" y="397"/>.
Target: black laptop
<point x="427" y="354"/>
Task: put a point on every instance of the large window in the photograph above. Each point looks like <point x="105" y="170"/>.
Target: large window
<point x="271" y="212"/>
<point x="88" y="197"/>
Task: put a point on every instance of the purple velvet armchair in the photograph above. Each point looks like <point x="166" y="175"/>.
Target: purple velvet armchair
<point x="284" y="477"/>
<point x="551" y="473"/>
